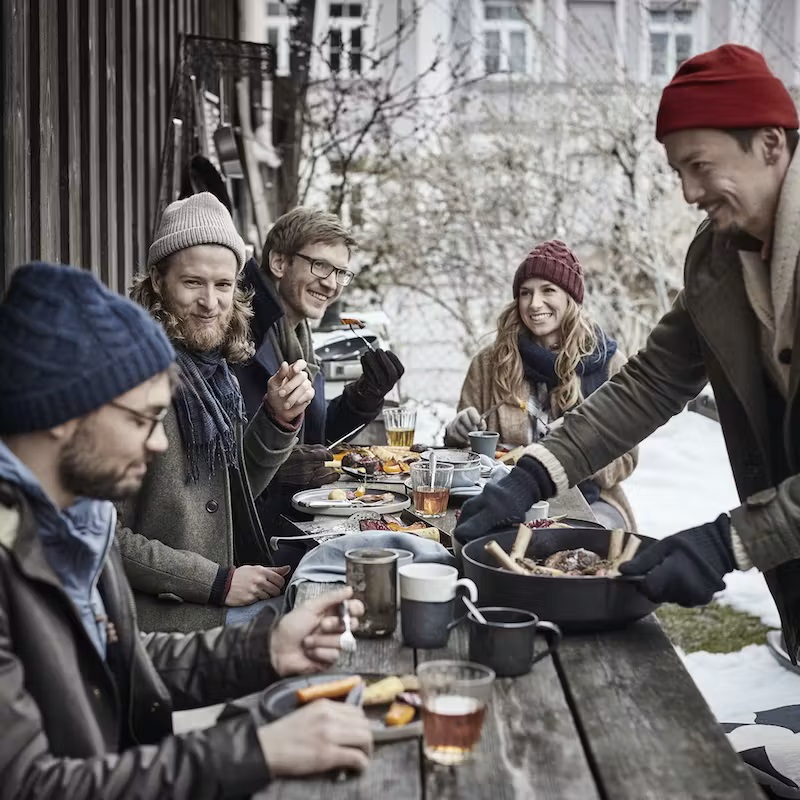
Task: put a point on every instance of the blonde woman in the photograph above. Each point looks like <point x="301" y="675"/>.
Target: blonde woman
<point x="546" y="358"/>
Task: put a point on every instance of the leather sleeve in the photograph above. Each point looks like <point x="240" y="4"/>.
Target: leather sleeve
<point x="223" y="761"/>
<point x="212" y="666"/>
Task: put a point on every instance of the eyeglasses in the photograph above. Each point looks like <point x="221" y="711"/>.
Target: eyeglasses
<point x="155" y="419"/>
<point x="322" y="269"/>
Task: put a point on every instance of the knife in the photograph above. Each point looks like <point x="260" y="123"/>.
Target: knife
<point x="347" y="436"/>
<point x="354" y="698"/>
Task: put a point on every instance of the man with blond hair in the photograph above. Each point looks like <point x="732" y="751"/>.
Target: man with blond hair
<point x="192" y="542"/>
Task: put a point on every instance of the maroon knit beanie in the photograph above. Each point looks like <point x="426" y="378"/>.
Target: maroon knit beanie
<point x="555" y="262"/>
<point x="729" y="87"/>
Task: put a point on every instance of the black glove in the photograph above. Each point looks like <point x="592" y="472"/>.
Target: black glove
<point x="688" y="567"/>
<point x="305" y="468"/>
<point x="381" y="371"/>
<point x="505" y="502"/>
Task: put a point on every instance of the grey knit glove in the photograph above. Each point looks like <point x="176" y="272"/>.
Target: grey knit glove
<point x="456" y="434"/>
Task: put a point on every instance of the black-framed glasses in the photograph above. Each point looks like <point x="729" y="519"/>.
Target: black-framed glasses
<point x="322" y="269"/>
<point x="154" y="419"/>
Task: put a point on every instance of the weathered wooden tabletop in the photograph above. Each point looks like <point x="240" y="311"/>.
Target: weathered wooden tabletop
<point x="613" y="716"/>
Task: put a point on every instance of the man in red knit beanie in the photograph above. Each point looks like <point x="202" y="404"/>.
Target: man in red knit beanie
<point x="729" y="129"/>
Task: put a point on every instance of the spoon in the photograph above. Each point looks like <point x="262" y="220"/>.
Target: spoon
<point x="473" y="608"/>
<point x="432" y="463"/>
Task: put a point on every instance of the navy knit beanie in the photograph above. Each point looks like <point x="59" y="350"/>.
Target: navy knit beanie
<point x="68" y="346"/>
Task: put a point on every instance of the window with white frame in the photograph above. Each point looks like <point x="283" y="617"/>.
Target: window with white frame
<point x="345" y="39"/>
<point x="280" y="21"/>
<point x="673" y="39"/>
<point x="507" y="38"/>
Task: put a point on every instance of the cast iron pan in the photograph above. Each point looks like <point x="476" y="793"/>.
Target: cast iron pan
<point x="576" y="604"/>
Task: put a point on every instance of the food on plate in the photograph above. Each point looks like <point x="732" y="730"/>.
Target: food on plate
<point x="391" y="523"/>
<point x="360" y="492"/>
<point x="383" y="691"/>
<point x="386" y="497"/>
<point x="379" y="458"/>
<point x="399" y="714"/>
<point x="548" y="522"/>
<point x="337" y="494"/>
<point x="329" y="689"/>
<point x="576" y="562"/>
<point x="410" y="683"/>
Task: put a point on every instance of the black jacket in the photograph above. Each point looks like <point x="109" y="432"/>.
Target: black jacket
<point x="75" y="726"/>
<point x="324" y="421"/>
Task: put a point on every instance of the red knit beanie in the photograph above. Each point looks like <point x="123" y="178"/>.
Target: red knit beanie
<point x="555" y="262"/>
<point x="730" y="87"/>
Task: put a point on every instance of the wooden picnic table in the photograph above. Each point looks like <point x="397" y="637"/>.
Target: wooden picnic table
<point x="613" y="716"/>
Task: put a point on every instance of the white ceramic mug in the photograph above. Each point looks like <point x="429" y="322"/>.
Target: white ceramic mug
<point x="427" y="603"/>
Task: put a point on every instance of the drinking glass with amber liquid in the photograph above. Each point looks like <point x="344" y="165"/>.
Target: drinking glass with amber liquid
<point x="454" y="699"/>
<point x="431" y="489"/>
<point x="400" y="424"/>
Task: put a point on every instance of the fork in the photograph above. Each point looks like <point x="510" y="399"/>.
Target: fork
<point x="347" y="641"/>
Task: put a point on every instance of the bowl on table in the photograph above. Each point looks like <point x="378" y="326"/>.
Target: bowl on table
<point x="466" y="465"/>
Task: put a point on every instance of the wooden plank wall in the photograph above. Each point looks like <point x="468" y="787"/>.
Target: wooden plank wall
<point x="85" y="86"/>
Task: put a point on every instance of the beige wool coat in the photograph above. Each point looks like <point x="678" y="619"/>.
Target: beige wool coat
<point x="513" y="425"/>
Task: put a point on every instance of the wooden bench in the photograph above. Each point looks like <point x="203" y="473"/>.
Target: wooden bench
<point x="613" y="716"/>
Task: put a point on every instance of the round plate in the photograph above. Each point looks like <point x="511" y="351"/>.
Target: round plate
<point x="280" y="700"/>
<point x="300" y="502"/>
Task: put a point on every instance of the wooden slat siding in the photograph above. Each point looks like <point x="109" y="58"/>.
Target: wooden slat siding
<point x="34" y="204"/>
<point x="635" y="681"/>
<point x="61" y="11"/>
<point x="50" y="219"/>
<point x="140" y="228"/>
<point x="399" y="758"/>
<point x="74" y="99"/>
<point x="124" y="97"/>
<point x="16" y="141"/>
<point x="110" y="140"/>
<point x="151" y="118"/>
<point x="162" y="102"/>
<point x="530" y="747"/>
<point x="94" y="133"/>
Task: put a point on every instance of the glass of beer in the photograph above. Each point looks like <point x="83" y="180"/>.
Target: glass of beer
<point x="400" y="423"/>
<point x="431" y="491"/>
<point x="454" y="699"/>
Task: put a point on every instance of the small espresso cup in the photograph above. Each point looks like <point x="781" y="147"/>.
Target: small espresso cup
<point x="427" y="603"/>
<point x="507" y="643"/>
<point x="483" y="442"/>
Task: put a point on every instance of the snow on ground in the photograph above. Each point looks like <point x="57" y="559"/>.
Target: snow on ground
<point x="684" y="479"/>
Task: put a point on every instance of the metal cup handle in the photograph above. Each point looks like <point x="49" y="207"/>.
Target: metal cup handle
<point x="552" y="633"/>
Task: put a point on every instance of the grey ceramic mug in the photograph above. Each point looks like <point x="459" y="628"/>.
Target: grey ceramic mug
<point x="428" y="603"/>
<point x="483" y="442"/>
<point x="507" y="644"/>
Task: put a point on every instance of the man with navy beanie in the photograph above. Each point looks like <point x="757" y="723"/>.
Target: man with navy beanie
<point x="85" y="699"/>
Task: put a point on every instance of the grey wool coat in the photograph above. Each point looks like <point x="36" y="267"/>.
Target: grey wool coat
<point x="177" y="536"/>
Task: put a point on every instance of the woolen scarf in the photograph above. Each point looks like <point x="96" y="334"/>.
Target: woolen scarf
<point x="293" y="343"/>
<point x="208" y="406"/>
<point x="539" y="363"/>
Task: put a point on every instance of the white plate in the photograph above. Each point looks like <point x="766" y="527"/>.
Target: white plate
<point x="301" y="500"/>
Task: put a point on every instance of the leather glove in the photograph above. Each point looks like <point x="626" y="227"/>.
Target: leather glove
<point x="381" y="371"/>
<point x="686" y="568"/>
<point x="305" y="468"/>
<point x="505" y="502"/>
<point x="468" y="419"/>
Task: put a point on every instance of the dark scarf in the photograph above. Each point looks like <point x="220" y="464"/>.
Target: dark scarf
<point x="208" y="405"/>
<point x="539" y="363"/>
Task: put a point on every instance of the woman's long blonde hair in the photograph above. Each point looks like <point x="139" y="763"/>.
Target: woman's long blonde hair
<point x="236" y="347"/>
<point x="578" y="340"/>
